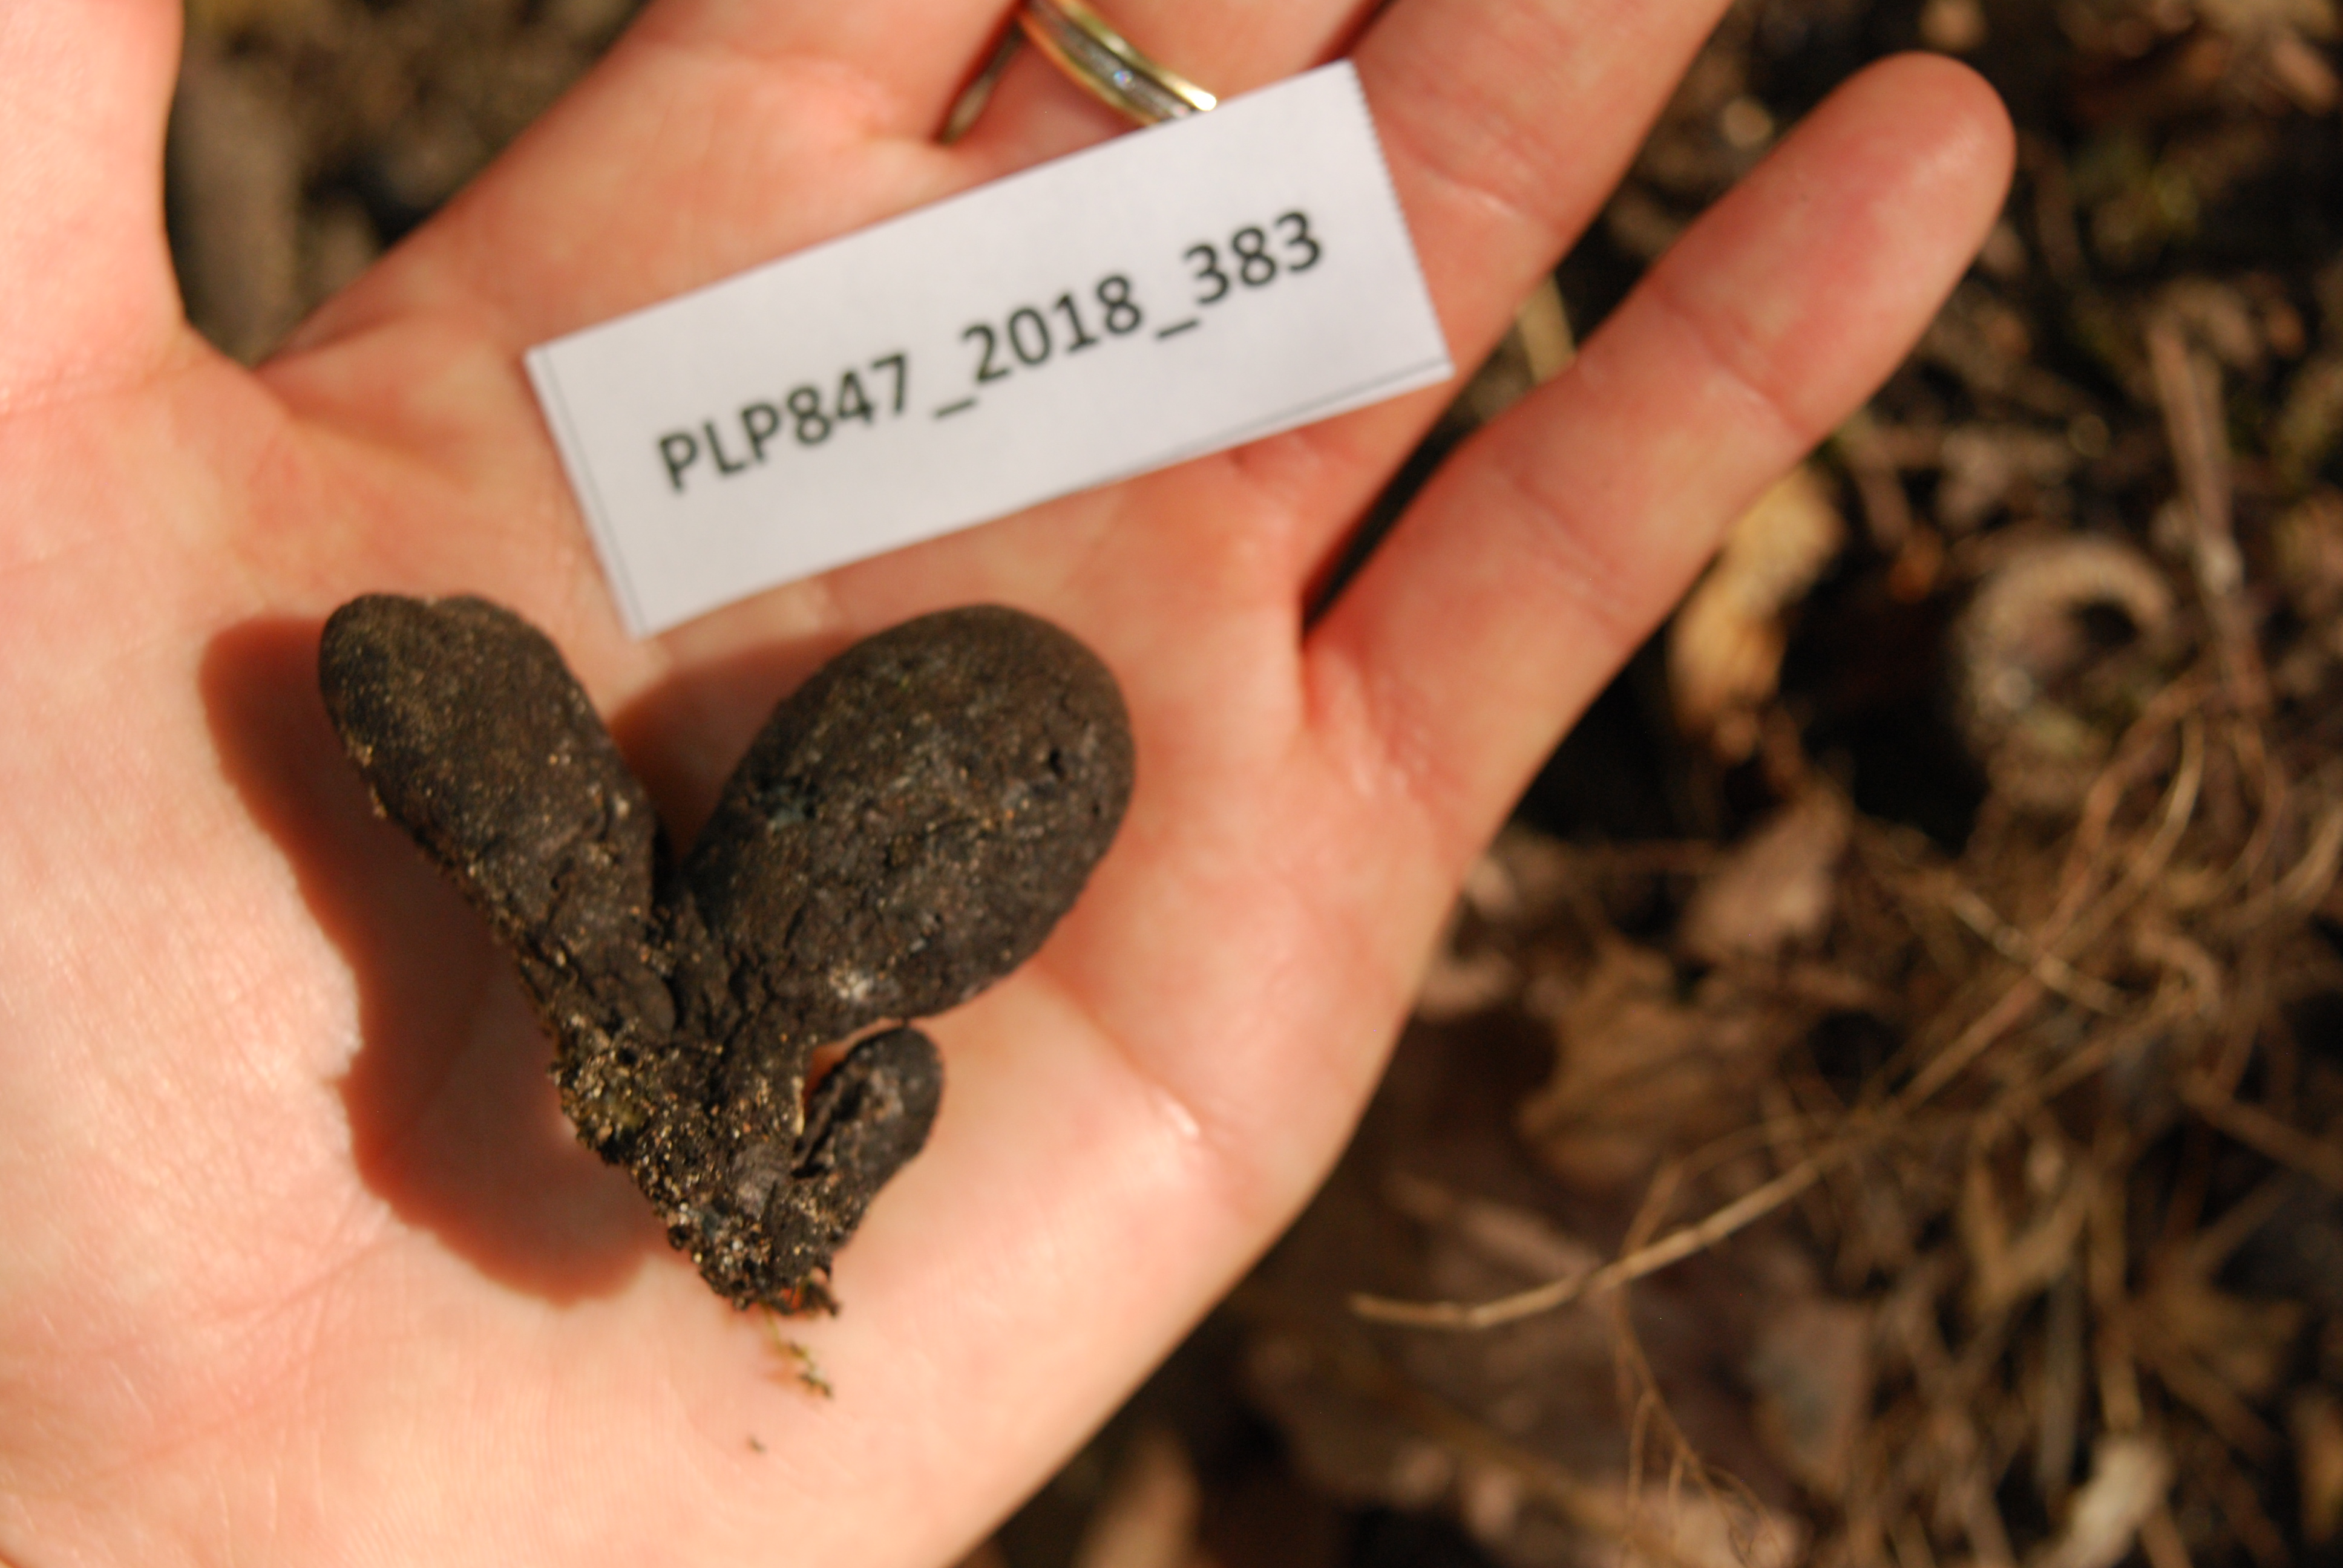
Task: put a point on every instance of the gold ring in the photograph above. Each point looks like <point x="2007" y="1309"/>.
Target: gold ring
<point x="1102" y="62"/>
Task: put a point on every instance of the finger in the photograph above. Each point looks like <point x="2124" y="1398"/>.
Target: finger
<point x="917" y="53"/>
<point x="1508" y="124"/>
<point x="720" y="134"/>
<point x="1226" y="46"/>
<point x="1505" y="121"/>
<point x="1541" y="557"/>
<point x="86" y="286"/>
<point x="717" y="135"/>
<point x="1505" y="124"/>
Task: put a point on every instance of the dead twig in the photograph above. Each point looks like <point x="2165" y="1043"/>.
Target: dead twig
<point x="1669" y="1250"/>
<point x="2267" y="1135"/>
<point x="2189" y="384"/>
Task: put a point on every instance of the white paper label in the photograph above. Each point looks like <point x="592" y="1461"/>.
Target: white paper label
<point x="1172" y="292"/>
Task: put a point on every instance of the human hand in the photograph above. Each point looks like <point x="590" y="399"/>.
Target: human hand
<point x="298" y="1262"/>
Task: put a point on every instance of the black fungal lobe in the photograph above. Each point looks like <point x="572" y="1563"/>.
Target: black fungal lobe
<point x="905" y="830"/>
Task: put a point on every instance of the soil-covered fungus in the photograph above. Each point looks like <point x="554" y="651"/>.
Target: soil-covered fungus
<point x="905" y="830"/>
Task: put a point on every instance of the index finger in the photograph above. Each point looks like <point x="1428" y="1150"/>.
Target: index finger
<point x="716" y="135"/>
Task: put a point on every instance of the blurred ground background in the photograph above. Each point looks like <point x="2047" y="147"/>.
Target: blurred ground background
<point x="1900" y="1045"/>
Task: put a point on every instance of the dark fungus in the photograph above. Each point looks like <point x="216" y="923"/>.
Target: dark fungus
<point x="904" y="830"/>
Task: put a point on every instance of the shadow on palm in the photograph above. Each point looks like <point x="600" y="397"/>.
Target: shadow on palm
<point x="453" y="1122"/>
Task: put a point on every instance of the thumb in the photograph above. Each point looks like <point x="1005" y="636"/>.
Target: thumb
<point x="85" y="285"/>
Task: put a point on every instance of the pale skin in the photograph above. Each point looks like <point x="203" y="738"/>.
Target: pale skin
<point x="298" y="1263"/>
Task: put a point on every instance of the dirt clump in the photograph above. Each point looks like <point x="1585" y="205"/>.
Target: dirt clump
<point x="905" y="830"/>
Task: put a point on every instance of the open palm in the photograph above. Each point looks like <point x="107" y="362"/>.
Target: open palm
<point x="298" y="1262"/>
